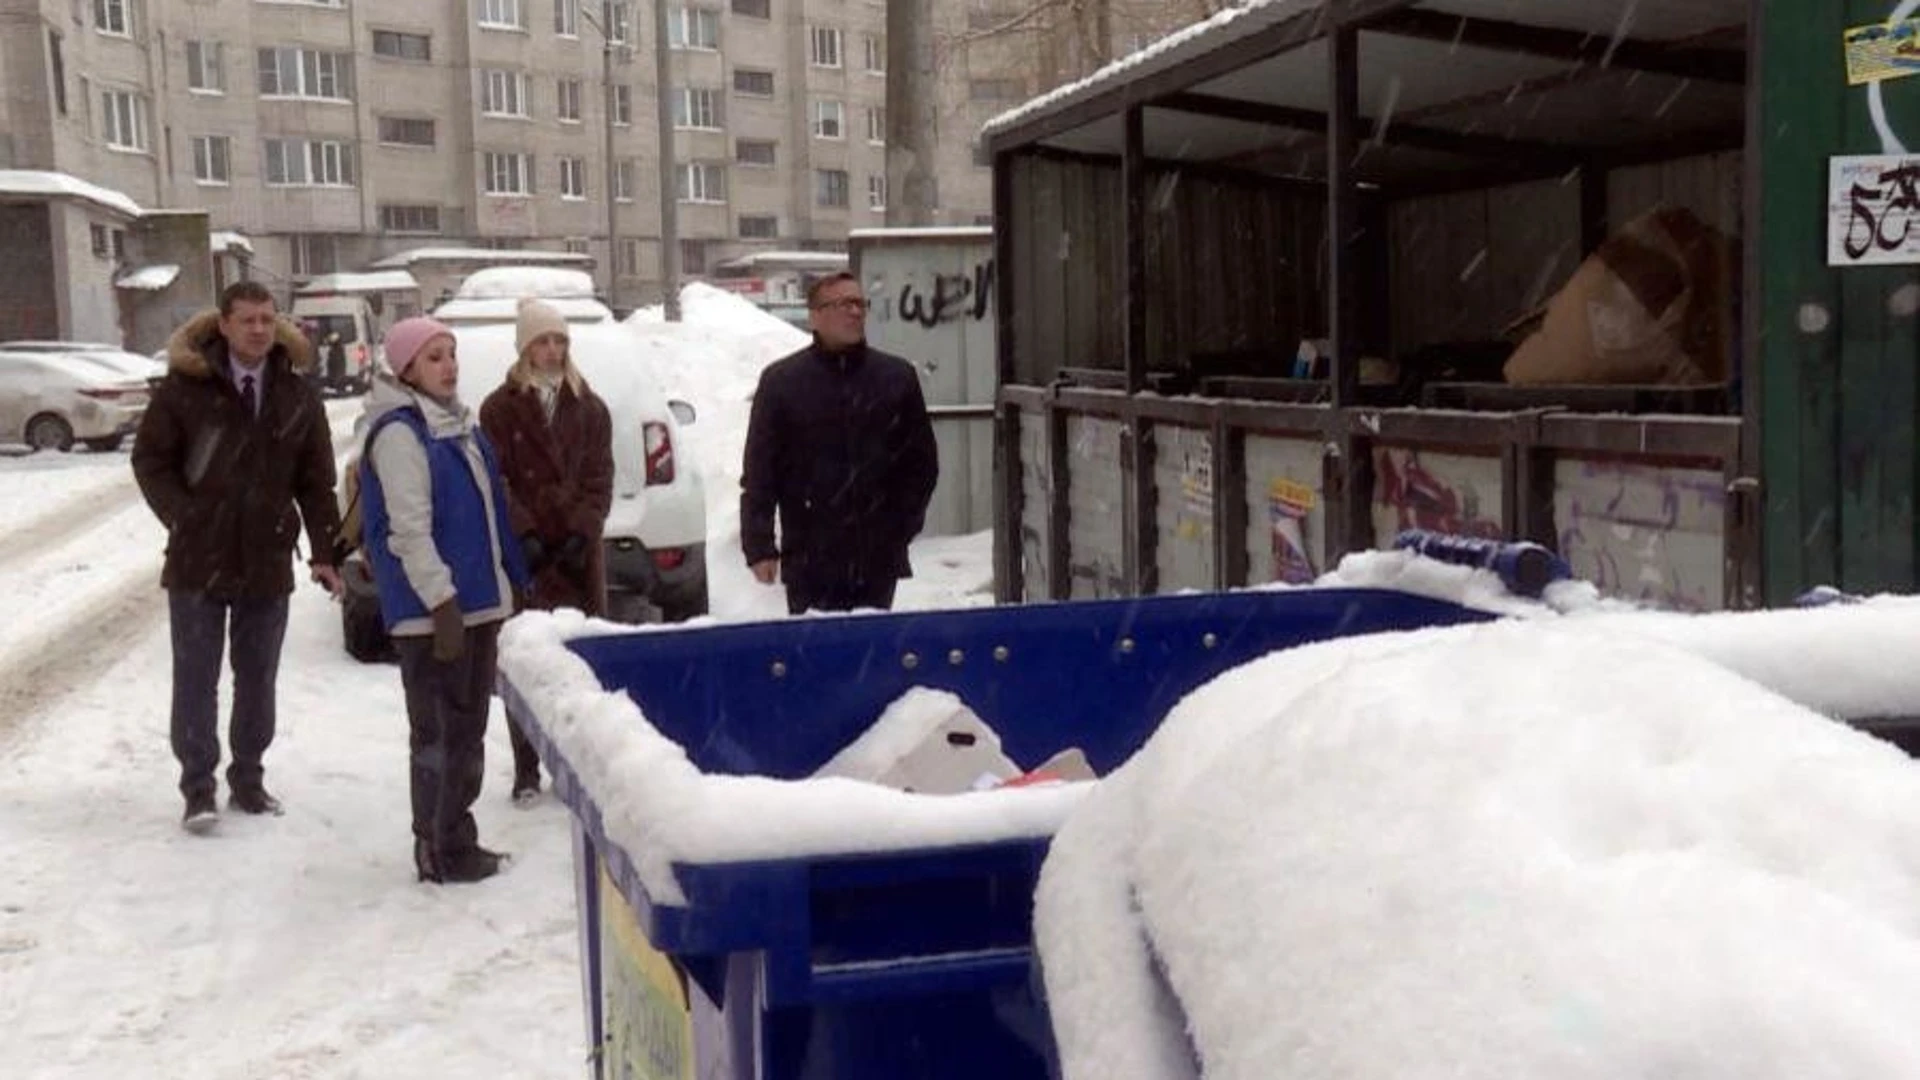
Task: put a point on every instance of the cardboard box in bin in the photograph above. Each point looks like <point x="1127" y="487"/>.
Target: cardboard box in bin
<point x="1651" y="306"/>
<point x="930" y="742"/>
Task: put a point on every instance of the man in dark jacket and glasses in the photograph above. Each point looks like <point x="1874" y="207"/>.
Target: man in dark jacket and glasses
<point x="840" y="447"/>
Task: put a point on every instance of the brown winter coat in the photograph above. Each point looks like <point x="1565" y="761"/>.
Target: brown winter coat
<point x="559" y="481"/>
<point x="226" y="484"/>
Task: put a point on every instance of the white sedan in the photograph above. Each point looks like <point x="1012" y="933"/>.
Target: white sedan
<point x="50" y="400"/>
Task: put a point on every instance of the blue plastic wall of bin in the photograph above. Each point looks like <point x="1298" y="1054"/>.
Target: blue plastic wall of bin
<point x="914" y="963"/>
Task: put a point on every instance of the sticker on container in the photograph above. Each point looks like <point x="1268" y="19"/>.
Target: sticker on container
<point x="1882" y="51"/>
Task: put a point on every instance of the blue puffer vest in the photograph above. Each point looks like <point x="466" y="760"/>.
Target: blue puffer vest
<point x="460" y="528"/>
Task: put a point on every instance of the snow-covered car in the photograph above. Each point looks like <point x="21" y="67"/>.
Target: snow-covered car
<point x="491" y="296"/>
<point x="50" y="400"/>
<point x="656" y="530"/>
<point x="145" y="367"/>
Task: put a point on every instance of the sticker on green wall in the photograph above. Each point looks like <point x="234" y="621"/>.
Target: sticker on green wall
<point x="1882" y="51"/>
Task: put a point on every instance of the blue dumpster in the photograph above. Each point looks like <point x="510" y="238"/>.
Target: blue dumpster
<point x="880" y="965"/>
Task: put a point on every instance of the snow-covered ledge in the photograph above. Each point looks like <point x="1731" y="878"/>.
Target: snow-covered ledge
<point x="660" y="809"/>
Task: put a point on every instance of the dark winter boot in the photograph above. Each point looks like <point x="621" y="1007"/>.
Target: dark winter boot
<point x="254" y="799"/>
<point x="424" y="863"/>
<point x="203" y="812"/>
<point x="526" y="786"/>
<point x="470" y="864"/>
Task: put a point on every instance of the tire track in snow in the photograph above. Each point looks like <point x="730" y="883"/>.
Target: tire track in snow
<point x="39" y="673"/>
<point x="66" y="521"/>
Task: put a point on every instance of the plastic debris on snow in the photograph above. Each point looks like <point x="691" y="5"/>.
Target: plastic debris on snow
<point x="1523" y="848"/>
<point x="662" y="810"/>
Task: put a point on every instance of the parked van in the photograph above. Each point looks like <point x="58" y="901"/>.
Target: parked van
<point x="345" y="341"/>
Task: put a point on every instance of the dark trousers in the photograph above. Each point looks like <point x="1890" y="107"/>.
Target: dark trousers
<point x="814" y="595"/>
<point x="201" y="626"/>
<point x="447" y="720"/>
<point x="526" y="760"/>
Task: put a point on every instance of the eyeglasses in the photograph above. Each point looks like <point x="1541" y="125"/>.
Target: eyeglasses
<point x="847" y="303"/>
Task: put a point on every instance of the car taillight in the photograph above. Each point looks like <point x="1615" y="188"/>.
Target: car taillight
<point x="360" y="356"/>
<point x="669" y="558"/>
<point x="659" y="444"/>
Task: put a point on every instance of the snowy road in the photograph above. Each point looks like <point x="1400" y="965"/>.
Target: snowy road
<point x="288" y="947"/>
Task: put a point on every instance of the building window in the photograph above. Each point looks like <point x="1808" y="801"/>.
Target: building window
<point x="566" y="18"/>
<point x="126" y="120"/>
<point x="212" y="159"/>
<point x="693" y="256"/>
<point x="752" y="82"/>
<point x="314" y="254"/>
<point x="395" y="45"/>
<point x="623" y="174"/>
<point x="503" y="93"/>
<point x="501" y="14"/>
<point x="623" y="105"/>
<point x="406" y="131"/>
<point x="753" y="9"/>
<point x="759" y="153"/>
<point x="703" y="183"/>
<point x="113" y="17"/>
<point x="830" y="188"/>
<point x="57" y="69"/>
<point x="508" y="174"/>
<point x="829" y="120"/>
<point x="619" y="23"/>
<point x="877" y="126"/>
<point x="759" y="227"/>
<point x="876" y="54"/>
<point x="573" y="178"/>
<point x="415" y="220"/>
<point x="823" y="46"/>
<point x="569" y="101"/>
<point x="996" y="89"/>
<point x="693" y="28"/>
<point x="696" y="108"/>
<point x="876" y="192"/>
<point x="309" y="163"/>
<point x="206" y="69"/>
<point x="576" y="245"/>
<point x="119" y="238"/>
<point x="97" y="234"/>
<point x="306" y="73"/>
<point x="626" y="258"/>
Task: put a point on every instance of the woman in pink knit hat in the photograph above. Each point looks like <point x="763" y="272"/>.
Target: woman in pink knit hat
<point x="448" y="572"/>
<point x="555" y="439"/>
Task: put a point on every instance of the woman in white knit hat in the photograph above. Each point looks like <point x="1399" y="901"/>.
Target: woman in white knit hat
<point x="555" y="439"/>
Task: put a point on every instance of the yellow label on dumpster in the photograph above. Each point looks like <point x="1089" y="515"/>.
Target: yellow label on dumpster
<point x="1882" y="51"/>
<point x="649" y="1017"/>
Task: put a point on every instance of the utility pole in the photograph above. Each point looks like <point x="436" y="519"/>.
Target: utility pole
<point x="912" y="113"/>
<point x="613" y="162"/>
<point x="669" y="176"/>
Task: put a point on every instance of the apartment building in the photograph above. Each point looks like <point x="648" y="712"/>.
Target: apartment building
<point x="333" y="133"/>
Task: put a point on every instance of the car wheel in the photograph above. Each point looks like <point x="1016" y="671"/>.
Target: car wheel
<point x="49" y="432"/>
<point x="105" y="445"/>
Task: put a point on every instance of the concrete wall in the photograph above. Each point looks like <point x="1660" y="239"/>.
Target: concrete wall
<point x="178" y="239"/>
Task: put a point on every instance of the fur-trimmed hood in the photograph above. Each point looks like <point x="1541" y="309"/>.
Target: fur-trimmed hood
<point x="188" y="350"/>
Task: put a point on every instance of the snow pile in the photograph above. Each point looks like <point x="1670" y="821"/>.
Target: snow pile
<point x="148" y="278"/>
<point x="1483" y="852"/>
<point x="661" y="809"/>
<point x="712" y="360"/>
<point x="1464" y="585"/>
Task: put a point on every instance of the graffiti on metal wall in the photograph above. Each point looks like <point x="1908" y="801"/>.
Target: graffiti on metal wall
<point x="951" y="298"/>
<point x="1448" y="493"/>
<point x="1644" y="533"/>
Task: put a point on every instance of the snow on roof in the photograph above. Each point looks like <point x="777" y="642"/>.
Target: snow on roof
<point x="1201" y="37"/>
<point x="514" y="282"/>
<point x="404" y="259"/>
<point x="58" y="184"/>
<point x="222" y="241"/>
<point x="148" y="278"/>
<point x="375" y="281"/>
<point x="760" y="258"/>
<point x="927" y="232"/>
<point x="505" y="309"/>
